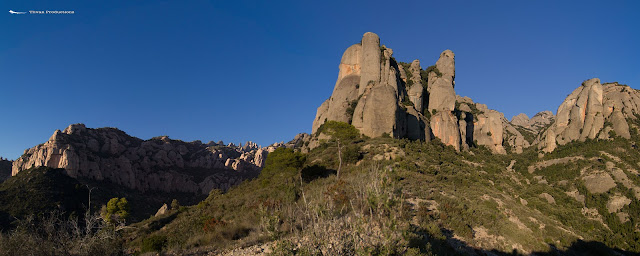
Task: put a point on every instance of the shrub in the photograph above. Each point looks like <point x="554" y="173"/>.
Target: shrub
<point x="154" y="243"/>
<point x="351" y="154"/>
<point x="433" y="69"/>
<point x="175" y="205"/>
<point x="283" y="161"/>
<point x="339" y="130"/>
<point x="116" y="210"/>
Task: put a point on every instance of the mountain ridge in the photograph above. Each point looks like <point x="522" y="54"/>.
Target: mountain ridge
<point x="156" y="164"/>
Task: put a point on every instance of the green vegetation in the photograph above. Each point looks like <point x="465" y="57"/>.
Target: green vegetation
<point x="154" y="243"/>
<point x="528" y="135"/>
<point x="353" y="195"/>
<point x="300" y="206"/>
<point x="407" y="102"/>
<point x="352" y="107"/>
<point x="433" y="69"/>
<point x="56" y="234"/>
<point x="38" y="191"/>
<point x="116" y="210"/>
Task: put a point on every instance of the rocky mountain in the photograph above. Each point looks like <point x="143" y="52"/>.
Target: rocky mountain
<point x="158" y="164"/>
<point x="379" y="96"/>
<point x="592" y="111"/>
<point x="5" y="169"/>
<point x="536" y="123"/>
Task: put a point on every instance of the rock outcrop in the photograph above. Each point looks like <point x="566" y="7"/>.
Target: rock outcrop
<point x="541" y="120"/>
<point x="371" y="95"/>
<point x="163" y="210"/>
<point x="158" y="164"/>
<point x="442" y="97"/>
<point x="592" y="111"/>
<point x="534" y="125"/>
<point x="379" y="96"/>
<point x="521" y="120"/>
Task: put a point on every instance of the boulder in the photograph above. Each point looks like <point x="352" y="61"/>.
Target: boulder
<point x="163" y="210"/>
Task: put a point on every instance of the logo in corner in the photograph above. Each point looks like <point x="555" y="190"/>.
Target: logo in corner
<point x="12" y="12"/>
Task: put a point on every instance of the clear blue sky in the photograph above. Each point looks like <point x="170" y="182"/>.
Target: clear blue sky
<point x="238" y="71"/>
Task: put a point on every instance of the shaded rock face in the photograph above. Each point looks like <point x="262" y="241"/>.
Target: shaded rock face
<point x="158" y="164"/>
<point x="378" y="97"/>
<point x="592" y="111"/>
<point x="5" y="169"/>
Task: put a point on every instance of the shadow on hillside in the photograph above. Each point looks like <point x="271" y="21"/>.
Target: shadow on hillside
<point x="315" y="171"/>
<point x="455" y="246"/>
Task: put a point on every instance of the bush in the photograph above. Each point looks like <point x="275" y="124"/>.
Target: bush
<point x="339" y="130"/>
<point x="154" y="243"/>
<point x="351" y="154"/>
<point x="283" y="161"/>
<point x="433" y="69"/>
<point x="116" y="210"/>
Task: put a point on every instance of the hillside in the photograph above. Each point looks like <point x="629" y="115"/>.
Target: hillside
<point x="410" y="197"/>
<point x="38" y="191"/>
<point x="5" y="169"/>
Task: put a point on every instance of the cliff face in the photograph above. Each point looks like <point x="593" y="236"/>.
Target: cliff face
<point x="158" y="164"/>
<point x="592" y="111"/>
<point x="379" y="95"/>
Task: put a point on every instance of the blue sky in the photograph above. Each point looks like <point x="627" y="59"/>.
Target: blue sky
<point x="257" y="70"/>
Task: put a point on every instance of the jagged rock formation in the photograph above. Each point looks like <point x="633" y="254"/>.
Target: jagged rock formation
<point x="369" y="94"/>
<point x="592" y="111"/>
<point x="533" y="126"/>
<point x="442" y="97"/>
<point x="5" y="169"/>
<point x="158" y="164"/>
<point x="540" y="121"/>
<point x="380" y="96"/>
<point x="521" y="120"/>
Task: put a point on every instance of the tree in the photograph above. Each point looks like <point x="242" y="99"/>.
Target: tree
<point x="341" y="133"/>
<point x="283" y="162"/>
<point x="116" y="210"/>
<point x="175" y="204"/>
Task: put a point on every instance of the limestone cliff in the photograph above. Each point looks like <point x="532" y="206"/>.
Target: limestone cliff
<point x="592" y="111"/>
<point x="379" y="95"/>
<point x="158" y="164"/>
